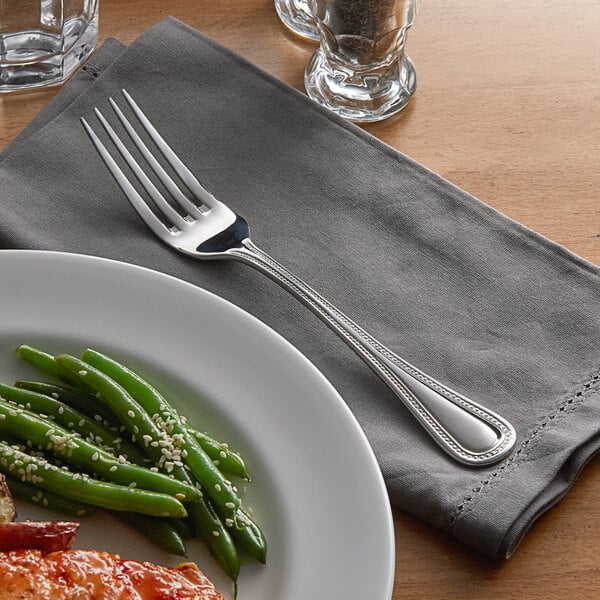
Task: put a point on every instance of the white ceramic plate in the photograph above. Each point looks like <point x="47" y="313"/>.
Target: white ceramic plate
<point x="316" y="491"/>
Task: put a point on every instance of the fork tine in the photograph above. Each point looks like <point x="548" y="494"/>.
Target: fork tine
<point x="184" y="173"/>
<point x="147" y="215"/>
<point x="162" y="175"/>
<point x="169" y="212"/>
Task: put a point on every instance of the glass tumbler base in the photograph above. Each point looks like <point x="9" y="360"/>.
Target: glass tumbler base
<point x="36" y="58"/>
<point x="361" y="98"/>
<point x="295" y="15"/>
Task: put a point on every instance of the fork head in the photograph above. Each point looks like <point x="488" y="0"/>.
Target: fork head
<point x="192" y="220"/>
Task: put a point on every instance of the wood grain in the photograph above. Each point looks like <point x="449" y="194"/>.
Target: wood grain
<point x="508" y="108"/>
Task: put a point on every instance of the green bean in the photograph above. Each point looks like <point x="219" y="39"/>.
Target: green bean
<point x="83" y="400"/>
<point x="34" y="495"/>
<point x="162" y="448"/>
<point x="196" y="459"/>
<point x="45" y="362"/>
<point x="246" y="531"/>
<point x="141" y="425"/>
<point x="59" y="412"/>
<point x="170" y="536"/>
<point x="77" y="486"/>
<point x="198" y="462"/>
<point x="86" y="403"/>
<point x="74" y="449"/>
<point x="229" y="463"/>
<point x="249" y="536"/>
<point x="160" y="532"/>
<point x="215" y="536"/>
<point x="183" y="527"/>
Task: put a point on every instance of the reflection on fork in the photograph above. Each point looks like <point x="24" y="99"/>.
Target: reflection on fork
<point x="207" y="229"/>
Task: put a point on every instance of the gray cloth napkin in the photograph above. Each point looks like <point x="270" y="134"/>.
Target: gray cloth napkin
<point x="478" y="301"/>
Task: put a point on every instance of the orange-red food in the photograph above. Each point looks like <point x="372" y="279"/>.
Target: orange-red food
<point x="92" y="575"/>
<point x="47" y="536"/>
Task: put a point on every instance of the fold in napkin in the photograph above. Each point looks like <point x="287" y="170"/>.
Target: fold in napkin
<point x="496" y="311"/>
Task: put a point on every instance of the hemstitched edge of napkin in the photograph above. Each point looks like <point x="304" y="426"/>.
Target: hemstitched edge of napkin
<point x="585" y="395"/>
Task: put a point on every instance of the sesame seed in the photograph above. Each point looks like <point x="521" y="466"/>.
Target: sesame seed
<point x="180" y="496"/>
<point x="113" y="468"/>
<point x="130" y="414"/>
<point x="83" y="372"/>
<point x="217" y="487"/>
<point x="216" y="533"/>
<point x="95" y="456"/>
<point x="223" y="454"/>
<point x="55" y="395"/>
<point x="230" y="504"/>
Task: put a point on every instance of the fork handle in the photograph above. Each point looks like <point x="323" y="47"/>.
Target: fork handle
<point x="468" y="432"/>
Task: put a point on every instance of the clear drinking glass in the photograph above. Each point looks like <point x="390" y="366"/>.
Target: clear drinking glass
<point x="42" y="42"/>
<point x="297" y="17"/>
<point x="360" y="70"/>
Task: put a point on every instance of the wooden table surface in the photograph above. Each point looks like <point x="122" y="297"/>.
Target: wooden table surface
<point x="508" y="108"/>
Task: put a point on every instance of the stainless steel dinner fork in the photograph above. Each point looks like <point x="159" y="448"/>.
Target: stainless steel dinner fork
<point x="207" y="229"/>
